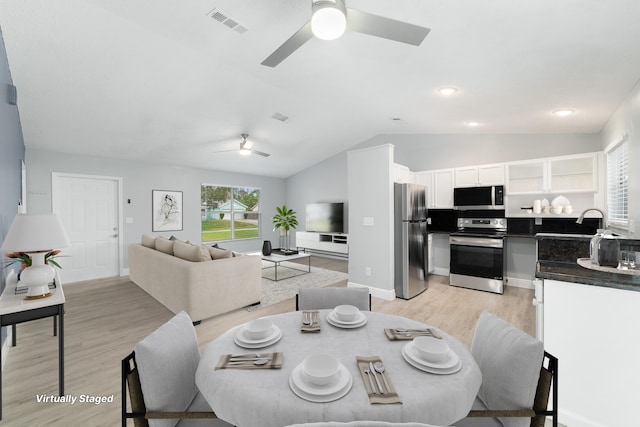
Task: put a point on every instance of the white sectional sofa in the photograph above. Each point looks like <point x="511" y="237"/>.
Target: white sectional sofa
<point x="201" y="280"/>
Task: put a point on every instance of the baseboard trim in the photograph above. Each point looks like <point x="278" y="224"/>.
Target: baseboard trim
<point x="520" y="283"/>
<point x="385" y="294"/>
<point x="440" y="271"/>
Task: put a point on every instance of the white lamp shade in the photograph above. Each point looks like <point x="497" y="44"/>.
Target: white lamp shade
<point x="329" y="19"/>
<point x="35" y="232"/>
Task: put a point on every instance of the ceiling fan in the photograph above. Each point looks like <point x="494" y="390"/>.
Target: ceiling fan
<point x="246" y="147"/>
<point x="329" y="20"/>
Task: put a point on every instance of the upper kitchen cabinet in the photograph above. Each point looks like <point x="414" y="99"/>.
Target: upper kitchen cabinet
<point x="474" y="176"/>
<point x="567" y="174"/>
<point x="402" y="174"/>
<point x="439" y="185"/>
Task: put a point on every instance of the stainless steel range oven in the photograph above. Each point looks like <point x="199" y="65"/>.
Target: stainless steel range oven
<point x="477" y="254"/>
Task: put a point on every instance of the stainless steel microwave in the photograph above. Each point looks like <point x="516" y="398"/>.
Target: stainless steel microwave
<point x="486" y="197"/>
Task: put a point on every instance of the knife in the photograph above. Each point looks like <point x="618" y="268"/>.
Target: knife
<point x="373" y="371"/>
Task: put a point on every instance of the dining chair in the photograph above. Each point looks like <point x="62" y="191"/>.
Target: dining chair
<point x="361" y="424"/>
<point x="518" y="377"/>
<point x="323" y="298"/>
<point x="159" y="376"/>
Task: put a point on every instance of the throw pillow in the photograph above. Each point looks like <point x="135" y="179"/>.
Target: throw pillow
<point x="219" y="253"/>
<point x="191" y="252"/>
<point x="510" y="362"/>
<point x="164" y="245"/>
<point x="148" y="241"/>
<point x="167" y="361"/>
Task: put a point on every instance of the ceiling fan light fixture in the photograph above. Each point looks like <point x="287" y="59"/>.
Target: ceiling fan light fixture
<point x="329" y="19"/>
<point x="245" y="152"/>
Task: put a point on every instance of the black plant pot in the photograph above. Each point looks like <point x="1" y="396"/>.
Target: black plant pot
<point x="266" y="248"/>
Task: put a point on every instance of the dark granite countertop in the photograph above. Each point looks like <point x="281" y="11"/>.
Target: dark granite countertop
<point x="573" y="273"/>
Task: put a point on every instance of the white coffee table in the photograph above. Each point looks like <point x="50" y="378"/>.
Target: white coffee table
<point x="277" y="259"/>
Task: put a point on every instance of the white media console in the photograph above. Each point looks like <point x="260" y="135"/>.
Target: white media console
<point x="331" y="243"/>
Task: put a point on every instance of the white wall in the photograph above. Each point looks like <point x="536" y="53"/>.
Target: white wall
<point x="626" y="121"/>
<point x="139" y="179"/>
<point x="435" y="151"/>
<point x="371" y="196"/>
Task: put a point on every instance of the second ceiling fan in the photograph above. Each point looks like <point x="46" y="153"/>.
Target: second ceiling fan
<point x="330" y="18"/>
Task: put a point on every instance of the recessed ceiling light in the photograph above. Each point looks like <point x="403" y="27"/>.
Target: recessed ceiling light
<point x="563" y="112"/>
<point x="447" y="91"/>
<point x="473" y="124"/>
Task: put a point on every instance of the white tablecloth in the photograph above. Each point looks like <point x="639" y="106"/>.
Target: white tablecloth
<point x="262" y="398"/>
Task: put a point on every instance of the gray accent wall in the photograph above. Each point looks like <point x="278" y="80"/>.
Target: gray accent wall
<point x="324" y="182"/>
<point x="139" y="179"/>
<point x="11" y="154"/>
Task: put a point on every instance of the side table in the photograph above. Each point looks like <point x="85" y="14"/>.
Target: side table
<point x="15" y="309"/>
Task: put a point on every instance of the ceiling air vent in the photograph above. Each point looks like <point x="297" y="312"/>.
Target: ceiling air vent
<point x="226" y="21"/>
<point x="280" y="117"/>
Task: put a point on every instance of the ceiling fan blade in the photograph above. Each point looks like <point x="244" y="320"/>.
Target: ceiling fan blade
<point x="374" y="25"/>
<point x="223" y="151"/>
<point x="260" y="153"/>
<point x="287" y="48"/>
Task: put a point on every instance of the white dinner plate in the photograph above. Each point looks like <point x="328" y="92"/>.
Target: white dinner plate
<point x="433" y="368"/>
<point x="333" y="320"/>
<point x="314" y="393"/>
<point x="245" y="342"/>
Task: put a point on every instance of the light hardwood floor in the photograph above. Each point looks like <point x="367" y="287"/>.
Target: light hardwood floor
<point x="105" y="319"/>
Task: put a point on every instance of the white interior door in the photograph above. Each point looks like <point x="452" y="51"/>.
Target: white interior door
<point x="88" y="208"/>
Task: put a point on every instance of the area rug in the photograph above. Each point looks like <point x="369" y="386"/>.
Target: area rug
<point x="290" y="280"/>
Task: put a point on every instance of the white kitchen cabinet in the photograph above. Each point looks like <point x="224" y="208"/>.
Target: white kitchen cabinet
<point x="592" y="331"/>
<point x="559" y="175"/>
<point x="474" y="176"/>
<point x="439" y="185"/>
<point x="402" y="174"/>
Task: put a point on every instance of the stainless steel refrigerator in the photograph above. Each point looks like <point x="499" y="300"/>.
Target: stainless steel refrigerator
<point x="410" y="240"/>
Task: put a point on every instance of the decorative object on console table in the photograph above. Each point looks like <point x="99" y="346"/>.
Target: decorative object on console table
<point x="266" y="248"/>
<point x="166" y="210"/>
<point x="37" y="236"/>
<point x="285" y="220"/>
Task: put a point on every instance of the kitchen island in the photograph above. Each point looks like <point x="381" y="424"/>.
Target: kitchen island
<point x="590" y="324"/>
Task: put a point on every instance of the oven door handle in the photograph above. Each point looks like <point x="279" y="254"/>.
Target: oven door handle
<point x="479" y="242"/>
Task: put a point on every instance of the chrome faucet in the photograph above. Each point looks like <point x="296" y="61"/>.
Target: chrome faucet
<point x="604" y="216"/>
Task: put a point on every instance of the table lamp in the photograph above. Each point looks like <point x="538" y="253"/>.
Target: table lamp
<point x="36" y="235"/>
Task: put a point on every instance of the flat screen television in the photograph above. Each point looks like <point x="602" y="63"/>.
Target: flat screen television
<point x="325" y="217"/>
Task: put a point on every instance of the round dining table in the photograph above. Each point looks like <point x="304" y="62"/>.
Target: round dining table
<point x="263" y="397"/>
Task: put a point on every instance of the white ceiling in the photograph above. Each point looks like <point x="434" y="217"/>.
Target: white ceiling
<point x="160" y="80"/>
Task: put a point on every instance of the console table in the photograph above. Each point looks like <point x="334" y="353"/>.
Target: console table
<point x="15" y="309"/>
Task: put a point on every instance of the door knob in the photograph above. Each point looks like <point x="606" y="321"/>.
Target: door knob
<point x="115" y="235"/>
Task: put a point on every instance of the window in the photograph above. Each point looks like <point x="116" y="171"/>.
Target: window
<point x="617" y="184"/>
<point x="229" y="213"/>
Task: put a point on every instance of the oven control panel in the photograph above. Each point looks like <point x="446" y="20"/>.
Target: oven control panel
<point x="498" y="224"/>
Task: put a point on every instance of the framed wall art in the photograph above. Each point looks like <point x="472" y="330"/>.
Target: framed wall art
<point x="167" y="210"/>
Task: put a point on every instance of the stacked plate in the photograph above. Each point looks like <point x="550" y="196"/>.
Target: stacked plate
<point x="320" y="378"/>
<point x="431" y="355"/>
<point x="257" y="334"/>
<point x="346" y="316"/>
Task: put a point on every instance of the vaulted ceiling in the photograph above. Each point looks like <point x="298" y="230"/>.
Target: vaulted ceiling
<point x="163" y="81"/>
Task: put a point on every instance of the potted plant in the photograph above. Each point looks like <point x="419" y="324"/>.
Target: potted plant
<point x="284" y="220"/>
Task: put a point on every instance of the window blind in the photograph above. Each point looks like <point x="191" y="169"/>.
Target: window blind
<point x="617" y="184"/>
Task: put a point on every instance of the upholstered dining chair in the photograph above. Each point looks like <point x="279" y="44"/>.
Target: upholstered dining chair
<point x="517" y="377"/>
<point x="323" y="298"/>
<point x="160" y="378"/>
<point x="361" y="424"/>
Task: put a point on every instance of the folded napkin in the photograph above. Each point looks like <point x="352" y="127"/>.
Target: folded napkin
<point x="388" y="396"/>
<point x="248" y="361"/>
<point x="410" y="334"/>
<point x="314" y="316"/>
